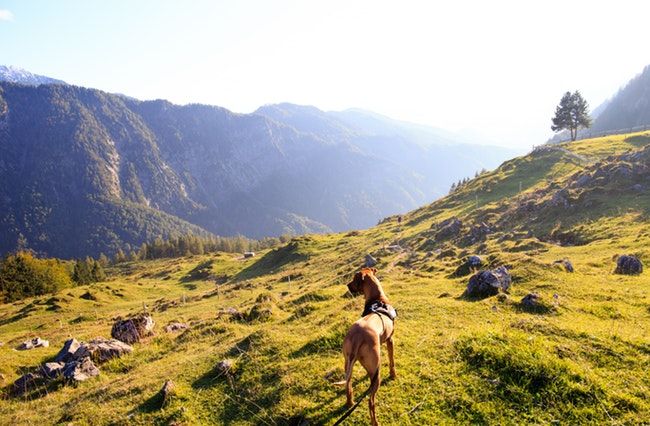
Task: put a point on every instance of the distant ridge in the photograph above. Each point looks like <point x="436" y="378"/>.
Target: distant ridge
<point x="18" y="75"/>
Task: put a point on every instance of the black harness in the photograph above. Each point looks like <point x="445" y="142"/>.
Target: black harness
<point x="380" y="308"/>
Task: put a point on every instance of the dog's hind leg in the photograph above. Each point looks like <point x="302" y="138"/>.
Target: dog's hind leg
<point x="391" y="360"/>
<point x="349" y="364"/>
<point x="371" y="362"/>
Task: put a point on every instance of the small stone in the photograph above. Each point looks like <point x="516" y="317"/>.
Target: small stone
<point x="224" y="366"/>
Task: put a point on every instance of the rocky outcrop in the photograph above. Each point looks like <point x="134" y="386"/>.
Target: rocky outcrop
<point x="80" y="370"/>
<point x="132" y="330"/>
<point x="628" y="265"/>
<point x="67" y="352"/>
<point x="488" y="283"/>
<point x="52" y="370"/>
<point x="101" y="350"/>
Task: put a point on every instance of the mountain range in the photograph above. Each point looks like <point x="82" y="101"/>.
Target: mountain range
<point x="85" y="171"/>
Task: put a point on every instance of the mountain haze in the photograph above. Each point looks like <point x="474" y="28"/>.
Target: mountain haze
<point x="85" y="171"/>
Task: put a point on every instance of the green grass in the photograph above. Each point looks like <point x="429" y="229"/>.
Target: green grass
<point x="585" y="359"/>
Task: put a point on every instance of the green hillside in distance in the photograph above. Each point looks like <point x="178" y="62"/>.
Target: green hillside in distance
<point x="581" y="356"/>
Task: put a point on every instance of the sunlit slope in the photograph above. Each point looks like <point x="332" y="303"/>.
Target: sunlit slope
<point x="583" y="357"/>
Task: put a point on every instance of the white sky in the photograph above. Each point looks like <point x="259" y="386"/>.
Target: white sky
<point x="494" y="68"/>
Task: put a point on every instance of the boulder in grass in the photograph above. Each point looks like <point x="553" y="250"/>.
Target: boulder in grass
<point x="132" y="330"/>
<point x="488" y="283"/>
<point x="80" y="370"/>
<point x="37" y="342"/>
<point x="102" y="350"/>
<point x="628" y="265"/>
<point x="67" y="352"/>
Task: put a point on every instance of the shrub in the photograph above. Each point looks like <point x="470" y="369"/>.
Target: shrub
<point x="23" y="275"/>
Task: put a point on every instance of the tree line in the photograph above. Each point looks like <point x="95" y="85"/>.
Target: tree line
<point x="455" y="186"/>
<point x="187" y="245"/>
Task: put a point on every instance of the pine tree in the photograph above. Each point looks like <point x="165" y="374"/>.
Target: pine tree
<point x="571" y="114"/>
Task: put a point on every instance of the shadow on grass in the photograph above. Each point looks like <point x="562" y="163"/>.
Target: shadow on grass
<point x="272" y="261"/>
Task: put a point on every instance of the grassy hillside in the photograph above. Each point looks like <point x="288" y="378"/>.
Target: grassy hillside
<point x="584" y="356"/>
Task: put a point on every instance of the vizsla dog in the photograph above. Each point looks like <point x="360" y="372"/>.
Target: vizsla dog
<point x="363" y="341"/>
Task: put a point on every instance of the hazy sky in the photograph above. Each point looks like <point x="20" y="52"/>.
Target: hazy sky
<point x="496" y="68"/>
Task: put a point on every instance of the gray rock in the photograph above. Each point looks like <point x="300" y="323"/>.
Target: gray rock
<point x="101" y="350"/>
<point x="33" y="343"/>
<point x="80" y="370"/>
<point x="132" y="330"/>
<point x="176" y="326"/>
<point x="370" y="261"/>
<point x="26" y="383"/>
<point x="488" y="283"/>
<point x="531" y="301"/>
<point x="67" y="352"/>
<point x="52" y="370"/>
<point x="628" y="265"/>
<point x="167" y="392"/>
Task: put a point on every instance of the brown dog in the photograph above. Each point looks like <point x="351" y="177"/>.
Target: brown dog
<point x="363" y="341"/>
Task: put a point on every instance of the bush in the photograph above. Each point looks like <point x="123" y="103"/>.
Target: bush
<point x="22" y="275"/>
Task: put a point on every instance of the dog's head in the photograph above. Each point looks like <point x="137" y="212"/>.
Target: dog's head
<point x="356" y="285"/>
